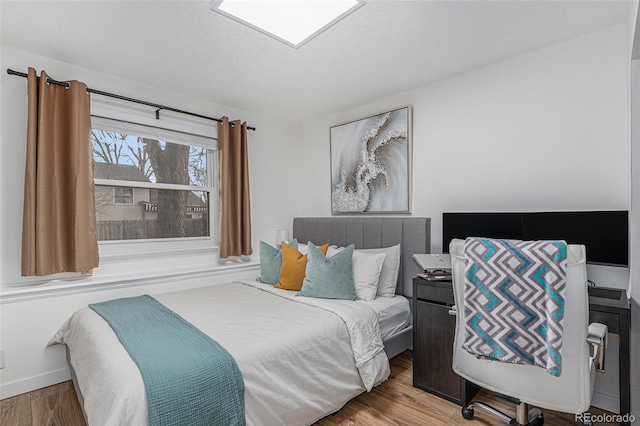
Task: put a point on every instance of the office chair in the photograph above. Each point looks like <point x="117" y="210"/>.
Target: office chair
<point x="582" y="350"/>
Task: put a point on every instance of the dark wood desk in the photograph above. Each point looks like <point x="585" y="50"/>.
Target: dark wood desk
<point x="612" y="308"/>
<point x="432" y="323"/>
<point x="433" y="333"/>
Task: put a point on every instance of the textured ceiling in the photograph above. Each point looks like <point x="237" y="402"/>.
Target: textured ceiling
<point x="385" y="47"/>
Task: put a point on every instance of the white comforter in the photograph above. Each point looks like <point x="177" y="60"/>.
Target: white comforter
<point x="300" y="358"/>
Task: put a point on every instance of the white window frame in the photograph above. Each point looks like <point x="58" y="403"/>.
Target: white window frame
<point x="127" y="250"/>
<point x="115" y="199"/>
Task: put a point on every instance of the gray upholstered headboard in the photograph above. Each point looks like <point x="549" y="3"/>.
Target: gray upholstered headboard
<point x="414" y="233"/>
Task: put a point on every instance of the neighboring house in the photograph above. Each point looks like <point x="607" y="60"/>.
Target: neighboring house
<point x="127" y="203"/>
<point x="119" y="202"/>
<point x="130" y="213"/>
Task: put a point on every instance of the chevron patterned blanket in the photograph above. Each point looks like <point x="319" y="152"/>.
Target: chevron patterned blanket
<point x="514" y="301"/>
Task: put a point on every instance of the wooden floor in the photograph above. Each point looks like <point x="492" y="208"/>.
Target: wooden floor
<point x="53" y="406"/>
<point x="395" y="402"/>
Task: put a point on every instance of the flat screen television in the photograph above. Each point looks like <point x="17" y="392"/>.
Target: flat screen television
<point x="604" y="233"/>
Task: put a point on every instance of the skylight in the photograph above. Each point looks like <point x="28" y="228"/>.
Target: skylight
<point x="293" y="22"/>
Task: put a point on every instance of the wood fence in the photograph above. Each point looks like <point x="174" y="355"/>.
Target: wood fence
<point x="144" y="229"/>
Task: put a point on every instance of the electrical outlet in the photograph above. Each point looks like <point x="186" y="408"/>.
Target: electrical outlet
<point x="1" y="358"/>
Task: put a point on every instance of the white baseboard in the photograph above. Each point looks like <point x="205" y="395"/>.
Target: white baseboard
<point x="33" y="383"/>
<point x="606" y="402"/>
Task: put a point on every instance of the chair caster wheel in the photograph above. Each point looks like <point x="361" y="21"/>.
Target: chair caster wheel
<point x="467" y="413"/>
<point x="538" y="421"/>
<point x="536" y="418"/>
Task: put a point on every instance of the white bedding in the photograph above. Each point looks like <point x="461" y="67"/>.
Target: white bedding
<point x="300" y="358"/>
<point x="394" y="314"/>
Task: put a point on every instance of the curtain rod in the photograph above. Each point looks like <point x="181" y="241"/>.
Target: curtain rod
<point x="125" y="98"/>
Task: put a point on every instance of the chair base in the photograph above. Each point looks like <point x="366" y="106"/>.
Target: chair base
<point x="524" y="416"/>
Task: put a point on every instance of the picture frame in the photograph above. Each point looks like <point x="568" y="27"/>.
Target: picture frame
<point x="371" y="160"/>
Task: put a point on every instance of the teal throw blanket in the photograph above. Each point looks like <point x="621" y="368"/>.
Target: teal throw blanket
<point x="189" y="378"/>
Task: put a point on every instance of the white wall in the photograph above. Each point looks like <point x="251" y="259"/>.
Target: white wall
<point x="31" y="313"/>
<point x="634" y="282"/>
<point x="547" y="130"/>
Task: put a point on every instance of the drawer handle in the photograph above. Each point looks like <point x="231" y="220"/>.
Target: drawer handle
<point x="453" y="311"/>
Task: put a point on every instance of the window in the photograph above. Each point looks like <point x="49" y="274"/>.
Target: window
<point x="150" y="183"/>
<point x="122" y="195"/>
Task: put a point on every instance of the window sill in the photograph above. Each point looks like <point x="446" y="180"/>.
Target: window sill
<point x="19" y="292"/>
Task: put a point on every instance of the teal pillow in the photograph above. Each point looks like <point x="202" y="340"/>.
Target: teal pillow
<point x="271" y="261"/>
<point x="329" y="278"/>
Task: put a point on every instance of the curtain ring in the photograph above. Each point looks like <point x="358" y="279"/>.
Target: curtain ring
<point x="65" y="85"/>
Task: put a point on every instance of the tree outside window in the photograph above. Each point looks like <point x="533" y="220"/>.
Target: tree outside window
<point x="160" y="189"/>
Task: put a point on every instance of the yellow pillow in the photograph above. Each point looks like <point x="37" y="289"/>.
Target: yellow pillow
<point x="294" y="266"/>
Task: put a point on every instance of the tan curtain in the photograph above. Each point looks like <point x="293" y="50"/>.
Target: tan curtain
<point x="59" y="220"/>
<point x="235" y="211"/>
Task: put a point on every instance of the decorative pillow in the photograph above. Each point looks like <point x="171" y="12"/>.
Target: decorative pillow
<point x="366" y="271"/>
<point x="390" y="268"/>
<point x="294" y="265"/>
<point x="271" y="262"/>
<point x="329" y="278"/>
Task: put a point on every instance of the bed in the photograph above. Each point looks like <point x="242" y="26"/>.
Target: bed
<point x="301" y="358"/>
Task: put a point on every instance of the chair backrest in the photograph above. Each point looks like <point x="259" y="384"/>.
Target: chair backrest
<point x="572" y="390"/>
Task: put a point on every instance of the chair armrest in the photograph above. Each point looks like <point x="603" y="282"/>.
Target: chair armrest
<point x="598" y="338"/>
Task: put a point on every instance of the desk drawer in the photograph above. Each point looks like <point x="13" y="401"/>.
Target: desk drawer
<point x="435" y="294"/>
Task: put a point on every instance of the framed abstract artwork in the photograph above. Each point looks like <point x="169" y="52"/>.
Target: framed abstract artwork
<point x="371" y="164"/>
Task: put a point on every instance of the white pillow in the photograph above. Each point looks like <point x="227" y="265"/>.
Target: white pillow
<point x="302" y="248"/>
<point x="366" y="273"/>
<point x="332" y="250"/>
<point x="390" y="268"/>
